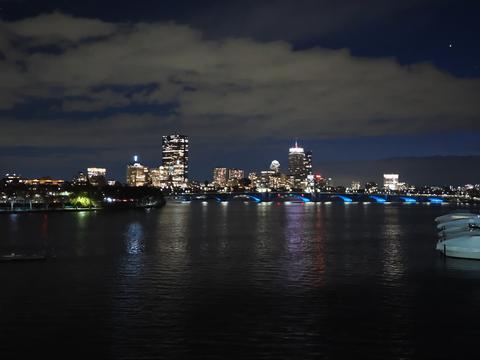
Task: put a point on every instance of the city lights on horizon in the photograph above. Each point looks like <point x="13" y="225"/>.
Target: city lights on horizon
<point x="173" y="175"/>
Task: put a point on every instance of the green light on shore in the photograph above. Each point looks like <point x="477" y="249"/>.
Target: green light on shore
<point x="82" y="201"/>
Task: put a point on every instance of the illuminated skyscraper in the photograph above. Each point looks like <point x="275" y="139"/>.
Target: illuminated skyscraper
<point x="137" y="174"/>
<point x="297" y="166"/>
<point x="175" y="158"/>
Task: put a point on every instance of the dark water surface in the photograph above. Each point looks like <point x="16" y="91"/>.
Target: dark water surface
<point x="220" y="281"/>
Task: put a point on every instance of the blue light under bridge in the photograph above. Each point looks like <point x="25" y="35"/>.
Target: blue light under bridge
<point x="345" y="198"/>
<point x="378" y="199"/>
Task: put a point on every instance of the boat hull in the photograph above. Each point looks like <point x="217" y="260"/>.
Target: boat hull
<point x="465" y="247"/>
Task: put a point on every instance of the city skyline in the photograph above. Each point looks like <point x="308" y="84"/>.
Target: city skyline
<point x="164" y="173"/>
<point x="365" y="88"/>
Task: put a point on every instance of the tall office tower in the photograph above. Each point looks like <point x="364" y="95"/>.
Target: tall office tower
<point x="390" y="181"/>
<point x="137" y="174"/>
<point x="175" y="158"/>
<point x="296" y="167"/>
<point x="97" y="176"/>
<point x="308" y="162"/>
<point x="220" y="177"/>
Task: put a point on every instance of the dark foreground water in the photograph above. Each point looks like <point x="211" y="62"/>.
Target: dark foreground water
<point x="237" y="281"/>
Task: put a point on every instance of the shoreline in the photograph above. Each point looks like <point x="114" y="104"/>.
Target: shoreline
<point x="30" y="211"/>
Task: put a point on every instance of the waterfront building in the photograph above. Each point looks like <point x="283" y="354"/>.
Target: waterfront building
<point x="175" y="159"/>
<point x="223" y="177"/>
<point x="390" y="181"/>
<point x="44" y="181"/>
<point x="235" y="174"/>
<point x="80" y="179"/>
<point x="355" y="186"/>
<point x="371" y="187"/>
<point x="137" y="174"/>
<point x="265" y="181"/>
<point x="234" y="177"/>
<point x="159" y="177"/>
<point x="12" y="179"/>
<point x="97" y="176"/>
<point x="220" y="177"/>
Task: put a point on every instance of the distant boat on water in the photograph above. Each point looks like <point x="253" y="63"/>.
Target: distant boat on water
<point x="21" y="257"/>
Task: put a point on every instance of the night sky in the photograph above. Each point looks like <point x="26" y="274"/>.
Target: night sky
<point x="91" y="83"/>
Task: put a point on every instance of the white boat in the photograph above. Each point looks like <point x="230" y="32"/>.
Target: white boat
<point x="456" y="232"/>
<point x="21" y="257"/>
<point x="459" y="235"/>
<point x="474" y="220"/>
<point x="454" y="216"/>
<point x="466" y="246"/>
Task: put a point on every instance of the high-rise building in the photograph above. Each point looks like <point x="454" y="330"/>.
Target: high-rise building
<point x="235" y="174"/>
<point x="297" y="166"/>
<point x="175" y="158"/>
<point x="97" y="176"/>
<point x="234" y="177"/>
<point x="220" y="177"/>
<point x="390" y="181"/>
<point x="137" y="174"/>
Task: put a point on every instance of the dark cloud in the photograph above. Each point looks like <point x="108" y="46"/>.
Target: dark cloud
<point x="230" y="86"/>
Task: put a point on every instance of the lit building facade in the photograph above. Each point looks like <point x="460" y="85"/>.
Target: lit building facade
<point x="308" y="162"/>
<point x="390" y="181"/>
<point x="299" y="166"/>
<point x="159" y="177"/>
<point x="220" y="177"/>
<point x="175" y="159"/>
<point x="137" y="174"/>
<point x="44" y="181"/>
<point x="356" y="186"/>
<point x="97" y="176"/>
<point x="80" y="179"/>
<point x="11" y="179"/>
<point x="235" y="174"/>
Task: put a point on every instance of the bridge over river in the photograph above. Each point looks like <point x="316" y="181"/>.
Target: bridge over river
<point x="313" y="197"/>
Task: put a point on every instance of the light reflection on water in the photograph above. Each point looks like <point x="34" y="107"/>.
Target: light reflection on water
<point x="240" y="280"/>
<point x="134" y="238"/>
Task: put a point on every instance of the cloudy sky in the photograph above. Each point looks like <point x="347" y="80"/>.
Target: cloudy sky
<point x="89" y="84"/>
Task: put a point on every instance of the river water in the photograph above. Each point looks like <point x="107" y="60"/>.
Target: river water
<point x="237" y="280"/>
